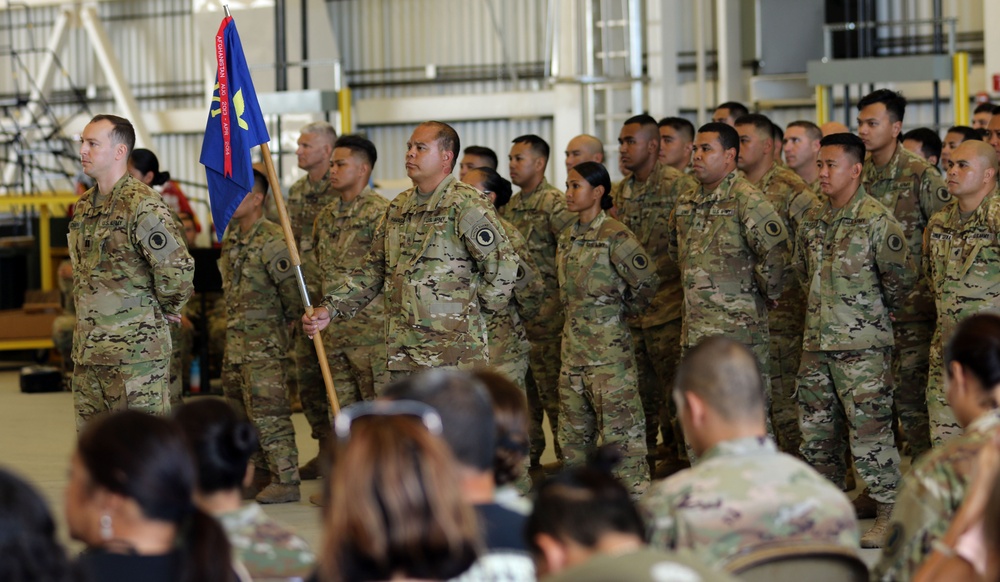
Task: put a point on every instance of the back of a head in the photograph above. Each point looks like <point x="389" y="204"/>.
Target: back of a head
<point x="146" y="161"/>
<point x="538" y="146"/>
<point x="465" y="409"/>
<point x="29" y="550"/>
<point x="976" y="346"/>
<point x="394" y="507"/>
<point x="726" y="376"/>
<point x="497" y="184"/>
<point x="510" y="411"/>
<point x="583" y="504"/>
<point x="895" y="103"/>
<point x="222" y="442"/>
<point x="930" y="141"/>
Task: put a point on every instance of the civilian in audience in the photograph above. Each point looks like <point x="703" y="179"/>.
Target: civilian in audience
<point x="29" y="551"/>
<point x="510" y="460"/>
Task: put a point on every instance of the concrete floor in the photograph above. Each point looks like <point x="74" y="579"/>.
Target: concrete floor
<point x="37" y="435"/>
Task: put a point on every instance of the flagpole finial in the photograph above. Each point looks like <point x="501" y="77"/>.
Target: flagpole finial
<point x="226" y="8"/>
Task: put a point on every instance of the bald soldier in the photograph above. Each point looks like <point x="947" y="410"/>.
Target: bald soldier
<point x="832" y="127"/>
<point x="583" y="148"/>
<point x="962" y="252"/>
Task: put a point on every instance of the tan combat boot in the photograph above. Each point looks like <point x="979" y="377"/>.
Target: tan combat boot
<point x="864" y="506"/>
<point x="279" y="493"/>
<point x="314" y="468"/>
<point x="875" y="537"/>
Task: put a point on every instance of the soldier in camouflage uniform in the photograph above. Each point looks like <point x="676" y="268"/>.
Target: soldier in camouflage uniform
<point x="584" y="148"/>
<point x="439" y="257"/>
<point x="604" y="275"/>
<point x="262" y="297"/>
<point x="912" y="190"/>
<point x="851" y="256"/>
<point x="539" y="213"/>
<point x="644" y="202"/>
<point x="343" y="234"/>
<point x="307" y="196"/>
<point x="65" y="322"/>
<point x="788" y="193"/>
<point x="936" y="486"/>
<point x="800" y="149"/>
<point x="676" y="142"/>
<point x="731" y="246"/>
<point x="743" y="492"/>
<point x="132" y="275"/>
<point x="508" y="342"/>
<point x="962" y="252"/>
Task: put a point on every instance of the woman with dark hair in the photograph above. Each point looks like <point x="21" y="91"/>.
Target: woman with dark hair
<point x="603" y="273"/>
<point x="510" y="462"/>
<point x="129" y="499"/>
<point x="932" y="492"/>
<point x="222" y="442"/>
<point x="28" y="547"/>
<point x="145" y="167"/>
<point x="394" y="510"/>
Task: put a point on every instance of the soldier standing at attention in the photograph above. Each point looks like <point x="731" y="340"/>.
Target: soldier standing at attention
<point x="676" y="142"/>
<point x="477" y="157"/>
<point x="344" y="232"/>
<point x="604" y="274"/>
<point x="912" y="190"/>
<point x="261" y="297"/>
<point x="583" y="148"/>
<point x="852" y="258"/>
<point x="730" y="245"/>
<point x="307" y="196"/>
<point x="644" y="202"/>
<point x="440" y="259"/>
<point x="800" y="149"/>
<point x="508" y="342"/>
<point x="539" y="213"/>
<point x="132" y="275"/>
<point x="790" y="196"/>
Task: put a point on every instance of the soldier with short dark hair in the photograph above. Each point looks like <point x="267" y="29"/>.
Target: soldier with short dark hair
<point x="477" y="157"/>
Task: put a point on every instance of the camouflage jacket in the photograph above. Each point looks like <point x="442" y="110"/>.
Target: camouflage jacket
<point x="743" y="493"/>
<point x="540" y="216"/>
<point x="913" y="191"/>
<point x="962" y="261"/>
<point x="260" y="292"/>
<point x="267" y="549"/>
<point x="730" y="245"/>
<point x="790" y="196"/>
<point x="508" y="342"/>
<point x="929" y="497"/>
<point x="856" y="268"/>
<point x="439" y="260"/>
<point x="341" y="238"/>
<point x="305" y="201"/>
<point x="130" y="268"/>
<point x="604" y="274"/>
<point x="645" y="209"/>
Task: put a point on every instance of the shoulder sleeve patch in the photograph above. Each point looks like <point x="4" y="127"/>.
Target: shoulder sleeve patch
<point x="481" y="234"/>
<point x="632" y="261"/>
<point x="154" y="236"/>
<point x="524" y="276"/>
<point x="943" y="195"/>
<point x="279" y="263"/>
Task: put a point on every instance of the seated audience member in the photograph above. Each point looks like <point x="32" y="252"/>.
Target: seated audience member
<point x="476" y="157"/>
<point x="925" y="142"/>
<point x="935" y="487"/>
<point x="129" y="499"/>
<point x="954" y="137"/>
<point x="222" y="443"/>
<point x="29" y="551"/>
<point x="982" y="114"/>
<point x="585" y="528"/>
<point x="510" y="460"/>
<point x="394" y="508"/>
<point x="468" y="428"/>
<point x="742" y="492"/>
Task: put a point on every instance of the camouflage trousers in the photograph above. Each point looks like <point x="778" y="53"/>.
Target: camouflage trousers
<point x="62" y="337"/>
<point x="257" y="388"/>
<point x="358" y="372"/>
<point x="943" y="425"/>
<point x="657" y="353"/>
<point x="140" y="386"/>
<point x="786" y="353"/>
<point x="312" y="390"/>
<point x="602" y="403"/>
<point x="909" y="370"/>
<point x="181" y="340"/>
<point x="850" y="390"/>
<point x="544" y="362"/>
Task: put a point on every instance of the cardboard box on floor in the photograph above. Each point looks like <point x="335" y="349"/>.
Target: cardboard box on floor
<point x="34" y="319"/>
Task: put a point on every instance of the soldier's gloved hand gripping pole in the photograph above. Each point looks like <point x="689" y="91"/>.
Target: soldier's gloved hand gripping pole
<point x="293" y="252"/>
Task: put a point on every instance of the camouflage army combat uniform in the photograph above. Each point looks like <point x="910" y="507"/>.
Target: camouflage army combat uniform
<point x="962" y="264"/>
<point x="540" y="216"/>
<point x="603" y="273"/>
<point x="731" y="246"/>
<point x="855" y="267"/>
<point x="130" y="269"/>
<point x="262" y="297"/>
<point x="267" y="549"/>
<point x="929" y="498"/>
<point x="355" y="347"/>
<point x="656" y="332"/>
<point x="439" y="259"/>
<point x="305" y="201"/>
<point x="786" y="191"/>
<point x="744" y="493"/>
<point x="181" y="338"/>
<point x="64" y="324"/>
<point x="913" y="191"/>
<point x="508" y="342"/>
